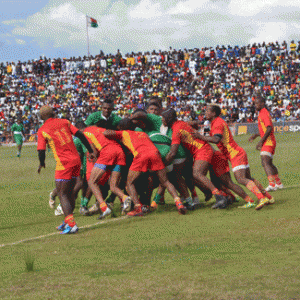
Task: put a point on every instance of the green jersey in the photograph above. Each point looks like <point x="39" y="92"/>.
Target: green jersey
<point x="110" y="123"/>
<point x="82" y="153"/>
<point x="17" y="128"/>
<point x="153" y="129"/>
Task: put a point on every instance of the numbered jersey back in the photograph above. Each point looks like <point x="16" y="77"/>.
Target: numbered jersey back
<point x="58" y="134"/>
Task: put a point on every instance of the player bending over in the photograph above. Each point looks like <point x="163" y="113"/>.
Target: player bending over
<point x="200" y="151"/>
<point x="267" y="144"/>
<point x="221" y="135"/>
<point x="111" y="157"/>
<point x="146" y="158"/>
<point x="58" y="134"/>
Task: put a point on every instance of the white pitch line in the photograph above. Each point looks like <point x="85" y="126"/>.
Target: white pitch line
<point x="88" y="226"/>
<point x="58" y="232"/>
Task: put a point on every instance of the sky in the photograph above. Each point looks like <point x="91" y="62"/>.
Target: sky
<point x="57" y="28"/>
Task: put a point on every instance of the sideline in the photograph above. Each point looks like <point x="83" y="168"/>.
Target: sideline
<point x="58" y="232"/>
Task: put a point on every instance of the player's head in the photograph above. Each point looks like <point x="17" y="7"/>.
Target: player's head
<point x="125" y="124"/>
<point x="139" y="118"/>
<point x="46" y="112"/>
<point x="169" y="116"/>
<point x="19" y="120"/>
<point x="80" y="125"/>
<point x="153" y="108"/>
<point x="259" y="103"/>
<point x="212" y="111"/>
<point x="107" y="108"/>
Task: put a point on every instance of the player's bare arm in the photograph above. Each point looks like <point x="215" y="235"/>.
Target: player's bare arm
<point x="110" y="134"/>
<point x="209" y="139"/>
<point x="253" y="137"/>
<point x="264" y="138"/>
<point x="42" y="157"/>
<point x="172" y="153"/>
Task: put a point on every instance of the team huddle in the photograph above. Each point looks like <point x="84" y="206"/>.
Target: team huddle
<point x="132" y="157"/>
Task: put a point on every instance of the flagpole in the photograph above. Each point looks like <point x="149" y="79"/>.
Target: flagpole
<point x="87" y="36"/>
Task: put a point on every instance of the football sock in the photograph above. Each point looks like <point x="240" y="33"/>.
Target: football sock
<point x="157" y="198"/>
<point x="249" y="199"/>
<point x="84" y="201"/>
<point x="251" y="186"/>
<point x="124" y="198"/>
<point x="177" y="202"/>
<point x="154" y="204"/>
<point x="103" y="206"/>
<point x="70" y="220"/>
<point x="138" y="206"/>
<point x="261" y="188"/>
<point x="216" y="192"/>
<point x="272" y="181"/>
<point x="277" y="179"/>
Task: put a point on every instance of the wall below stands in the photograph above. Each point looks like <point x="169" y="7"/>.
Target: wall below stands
<point x="251" y="128"/>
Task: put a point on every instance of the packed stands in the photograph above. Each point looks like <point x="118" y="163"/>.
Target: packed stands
<point x="187" y="79"/>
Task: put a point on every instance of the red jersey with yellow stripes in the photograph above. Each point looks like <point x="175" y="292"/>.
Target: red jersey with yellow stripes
<point x="111" y="152"/>
<point x="182" y="134"/>
<point x="95" y="136"/>
<point x="264" y="120"/>
<point x="137" y="142"/>
<point x="227" y="144"/>
<point x="58" y="134"/>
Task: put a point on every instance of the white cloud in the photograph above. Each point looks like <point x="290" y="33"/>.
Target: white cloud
<point x="188" y="7"/>
<point x="146" y="9"/>
<point x="154" y="24"/>
<point x="20" y="42"/>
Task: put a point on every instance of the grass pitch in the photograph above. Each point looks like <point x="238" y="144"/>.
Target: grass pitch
<point x="206" y="254"/>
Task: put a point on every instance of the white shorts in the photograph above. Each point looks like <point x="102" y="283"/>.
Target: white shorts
<point x="241" y="167"/>
<point x="262" y="153"/>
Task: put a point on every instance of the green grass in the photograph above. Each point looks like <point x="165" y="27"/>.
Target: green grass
<point x="224" y="254"/>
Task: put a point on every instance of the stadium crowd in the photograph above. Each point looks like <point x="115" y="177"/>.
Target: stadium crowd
<point x="186" y="80"/>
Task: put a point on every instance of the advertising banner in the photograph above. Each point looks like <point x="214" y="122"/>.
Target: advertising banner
<point x="251" y="128"/>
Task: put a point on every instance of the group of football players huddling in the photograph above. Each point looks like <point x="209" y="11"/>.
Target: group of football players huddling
<point x="152" y="149"/>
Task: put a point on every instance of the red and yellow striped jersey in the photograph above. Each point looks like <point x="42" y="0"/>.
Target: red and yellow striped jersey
<point x="182" y="134"/>
<point x="137" y="142"/>
<point x="58" y="134"/>
<point x="95" y="136"/>
<point x="227" y="144"/>
<point x="264" y="120"/>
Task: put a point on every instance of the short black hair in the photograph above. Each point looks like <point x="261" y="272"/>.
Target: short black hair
<point x="139" y="110"/>
<point x="170" y="116"/>
<point x="154" y="103"/>
<point x="260" y="98"/>
<point x="216" y="109"/>
<point x="108" y="101"/>
<point x="125" y="124"/>
<point x="80" y="125"/>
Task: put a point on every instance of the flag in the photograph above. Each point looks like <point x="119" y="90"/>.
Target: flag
<point x="92" y="22"/>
